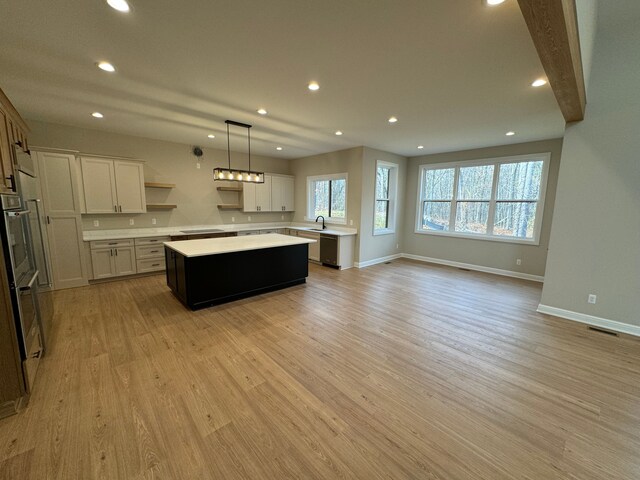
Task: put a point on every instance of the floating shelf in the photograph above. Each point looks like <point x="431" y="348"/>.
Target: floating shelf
<point x="229" y="206"/>
<point x="159" y="185"/>
<point x="161" y="206"/>
<point x="229" y="189"/>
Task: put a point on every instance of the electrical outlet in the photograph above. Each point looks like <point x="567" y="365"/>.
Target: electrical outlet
<point x="233" y="219"/>
<point x="397" y="246"/>
<point x="131" y="222"/>
<point x="249" y="218"/>
<point x="518" y="262"/>
<point x="198" y="166"/>
<point x="350" y="222"/>
<point x="96" y="223"/>
<point x="153" y="221"/>
<point x="592" y="298"/>
<point x="281" y="217"/>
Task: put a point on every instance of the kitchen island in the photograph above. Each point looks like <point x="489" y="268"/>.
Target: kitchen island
<point x="210" y="271"/>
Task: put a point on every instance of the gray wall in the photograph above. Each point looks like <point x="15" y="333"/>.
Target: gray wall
<point x="595" y="240"/>
<point x="485" y="253"/>
<point x="343" y="161"/>
<point x="195" y="192"/>
<point x="377" y="246"/>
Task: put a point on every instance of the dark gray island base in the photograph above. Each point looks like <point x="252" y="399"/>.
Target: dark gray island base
<point x="202" y="273"/>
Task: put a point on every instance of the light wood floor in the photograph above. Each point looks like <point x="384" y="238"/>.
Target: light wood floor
<point x="398" y="371"/>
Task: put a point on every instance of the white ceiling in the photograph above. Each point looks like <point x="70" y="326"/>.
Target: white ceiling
<point x="455" y="72"/>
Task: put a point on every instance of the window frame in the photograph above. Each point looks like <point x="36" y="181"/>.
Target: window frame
<point x="311" y="200"/>
<point x="496" y="162"/>
<point x="392" y="205"/>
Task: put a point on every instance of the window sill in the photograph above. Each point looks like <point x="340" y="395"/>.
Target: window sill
<point x="467" y="236"/>
<point x="327" y="221"/>
<point x="384" y="231"/>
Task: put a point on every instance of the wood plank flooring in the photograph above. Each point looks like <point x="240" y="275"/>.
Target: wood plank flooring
<point x="397" y="371"/>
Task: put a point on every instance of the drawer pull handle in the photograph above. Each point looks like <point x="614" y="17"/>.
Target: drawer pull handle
<point x="113" y="243"/>
<point x="154" y="251"/>
<point x="155" y="264"/>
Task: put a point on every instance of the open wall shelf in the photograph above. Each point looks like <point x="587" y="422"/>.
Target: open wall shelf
<point x="161" y="206"/>
<point x="159" y="185"/>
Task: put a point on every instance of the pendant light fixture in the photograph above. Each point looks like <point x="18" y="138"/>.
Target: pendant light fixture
<point x="235" y="175"/>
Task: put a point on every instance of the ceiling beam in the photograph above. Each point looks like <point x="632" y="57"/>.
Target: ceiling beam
<point x="553" y="26"/>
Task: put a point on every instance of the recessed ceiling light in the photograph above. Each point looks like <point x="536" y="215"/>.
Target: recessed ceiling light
<point x="510" y="134"/>
<point x="313" y="86"/>
<point x="393" y="119"/>
<point x="262" y="111"/>
<point x="107" y="67"/>
<point x="420" y="147"/>
<point x="279" y="148"/>
<point x="97" y="115"/>
<point x="339" y="132"/>
<point x="539" y="82"/>
<point x="211" y="135"/>
<point x="493" y="3"/>
<point x="120" y="5"/>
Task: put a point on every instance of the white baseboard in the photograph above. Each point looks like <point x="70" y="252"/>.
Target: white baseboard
<point x="375" y="261"/>
<point x="590" y="320"/>
<point x="478" y="268"/>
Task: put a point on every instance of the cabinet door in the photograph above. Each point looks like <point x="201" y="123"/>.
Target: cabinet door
<point x="263" y="195"/>
<point x="287" y="193"/>
<point x="98" y="180"/>
<point x="6" y="162"/>
<point x="125" y="260"/>
<point x="65" y="244"/>
<point x="277" y="200"/>
<point x="103" y="264"/>
<point x="249" y="197"/>
<point x="314" y="248"/>
<point x="59" y="183"/>
<point x="130" y="186"/>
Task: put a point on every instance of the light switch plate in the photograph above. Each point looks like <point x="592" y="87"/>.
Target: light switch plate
<point x="96" y="223"/>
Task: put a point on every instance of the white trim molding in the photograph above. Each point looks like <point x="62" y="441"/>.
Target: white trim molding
<point x="590" y="320"/>
<point x="376" y="261"/>
<point x="477" y="268"/>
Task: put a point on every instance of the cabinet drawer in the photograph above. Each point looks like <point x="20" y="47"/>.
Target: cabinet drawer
<point x="151" y="265"/>
<point x="152" y="240"/>
<point x="123" y="242"/>
<point x="149" y="251"/>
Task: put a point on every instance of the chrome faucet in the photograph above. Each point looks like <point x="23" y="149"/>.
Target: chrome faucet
<point x="323" y="225"/>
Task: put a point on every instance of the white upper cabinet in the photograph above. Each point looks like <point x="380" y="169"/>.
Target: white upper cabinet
<point x="130" y="186"/>
<point x="274" y="195"/>
<point x="113" y="186"/>
<point x="257" y="196"/>
<point x="282" y="193"/>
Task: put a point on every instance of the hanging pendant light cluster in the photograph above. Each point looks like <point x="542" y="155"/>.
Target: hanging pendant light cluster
<point x="236" y="175"/>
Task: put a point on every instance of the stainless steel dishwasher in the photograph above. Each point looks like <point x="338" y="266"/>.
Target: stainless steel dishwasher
<point x="329" y="250"/>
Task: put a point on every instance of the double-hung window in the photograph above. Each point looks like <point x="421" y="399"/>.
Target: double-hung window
<point x="497" y="199"/>
<point x="385" y="198"/>
<point x="327" y="196"/>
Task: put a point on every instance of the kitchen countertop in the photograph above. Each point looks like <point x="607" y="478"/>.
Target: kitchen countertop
<point x="214" y="246"/>
<point x="89" y="235"/>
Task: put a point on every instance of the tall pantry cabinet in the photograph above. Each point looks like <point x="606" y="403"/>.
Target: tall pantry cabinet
<point x="62" y="206"/>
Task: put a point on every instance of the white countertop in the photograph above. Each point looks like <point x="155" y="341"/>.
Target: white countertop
<point x="89" y="235"/>
<point x="214" y="246"/>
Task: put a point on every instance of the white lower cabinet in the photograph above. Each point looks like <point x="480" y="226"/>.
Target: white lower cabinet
<point x="150" y="254"/>
<point x="314" y="248"/>
<point x="113" y="258"/>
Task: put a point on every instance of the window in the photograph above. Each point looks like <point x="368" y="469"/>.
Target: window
<point x="385" y="198"/>
<point x="327" y="197"/>
<point x="498" y="199"/>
